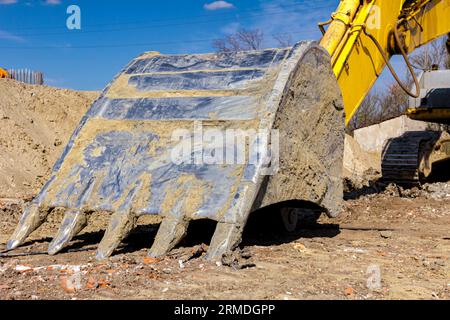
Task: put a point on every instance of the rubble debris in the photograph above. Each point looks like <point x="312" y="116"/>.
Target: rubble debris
<point x="238" y="259"/>
<point x="151" y="260"/>
<point x="349" y="291"/>
<point x="71" y="284"/>
<point x="92" y="283"/>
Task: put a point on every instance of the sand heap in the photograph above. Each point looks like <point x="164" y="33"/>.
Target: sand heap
<point x="36" y="122"/>
<point x="357" y="162"/>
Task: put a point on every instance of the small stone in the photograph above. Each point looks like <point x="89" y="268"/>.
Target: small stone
<point x="92" y="283"/>
<point x="71" y="284"/>
<point x="103" y="283"/>
<point x="150" y="260"/>
<point x="24" y="268"/>
<point x="349" y="291"/>
<point x="300" y="247"/>
<point x="386" y="234"/>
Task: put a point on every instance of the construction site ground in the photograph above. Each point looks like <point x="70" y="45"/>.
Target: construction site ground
<point x="400" y="237"/>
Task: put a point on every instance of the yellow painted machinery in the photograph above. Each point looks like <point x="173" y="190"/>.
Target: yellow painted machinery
<point x="169" y="135"/>
<point x="3" y="73"/>
<point x="410" y="160"/>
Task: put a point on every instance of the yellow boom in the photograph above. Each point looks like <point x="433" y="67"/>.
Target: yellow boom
<point x="364" y="34"/>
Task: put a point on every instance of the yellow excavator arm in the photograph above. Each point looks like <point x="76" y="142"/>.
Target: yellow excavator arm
<point x="364" y="34"/>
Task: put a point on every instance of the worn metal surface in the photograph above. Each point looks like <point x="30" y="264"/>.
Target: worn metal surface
<point x="121" y="156"/>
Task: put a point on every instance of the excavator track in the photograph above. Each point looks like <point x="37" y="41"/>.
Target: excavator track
<point x="402" y="157"/>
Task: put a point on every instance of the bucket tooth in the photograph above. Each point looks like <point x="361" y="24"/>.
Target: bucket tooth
<point x="225" y="239"/>
<point x="170" y="233"/>
<point x="120" y="225"/>
<point x="73" y="222"/>
<point x="32" y="218"/>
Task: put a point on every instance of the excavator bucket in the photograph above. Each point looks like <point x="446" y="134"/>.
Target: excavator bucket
<point x="207" y="136"/>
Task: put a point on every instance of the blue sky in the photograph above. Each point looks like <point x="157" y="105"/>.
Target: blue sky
<point x="33" y="34"/>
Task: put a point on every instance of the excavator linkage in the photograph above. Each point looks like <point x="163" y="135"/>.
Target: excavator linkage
<point x="208" y="136"/>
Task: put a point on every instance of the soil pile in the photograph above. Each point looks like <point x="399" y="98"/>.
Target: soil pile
<point x="357" y="161"/>
<point x="36" y="122"/>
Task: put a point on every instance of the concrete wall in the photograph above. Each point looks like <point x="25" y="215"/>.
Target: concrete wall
<point x="372" y="139"/>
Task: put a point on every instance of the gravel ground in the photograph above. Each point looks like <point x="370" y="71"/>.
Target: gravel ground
<point x="389" y="245"/>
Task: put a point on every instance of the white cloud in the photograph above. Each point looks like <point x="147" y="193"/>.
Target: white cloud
<point x="5" y="35"/>
<point x="28" y="3"/>
<point x="52" y="2"/>
<point x="217" y="5"/>
<point x="8" y="1"/>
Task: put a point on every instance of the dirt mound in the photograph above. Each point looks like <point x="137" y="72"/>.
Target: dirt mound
<point x="36" y="123"/>
<point x="357" y="161"/>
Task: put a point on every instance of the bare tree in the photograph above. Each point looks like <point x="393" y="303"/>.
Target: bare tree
<point x="284" y="40"/>
<point x="240" y="41"/>
<point x="228" y="44"/>
<point x="447" y="47"/>
<point x="378" y="107"/>
<point x="251" y="38"/>
<point x="367" y="113"/>
<point x="434" y="54"/>
<point x="393" y="103"/>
